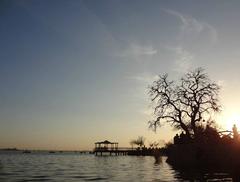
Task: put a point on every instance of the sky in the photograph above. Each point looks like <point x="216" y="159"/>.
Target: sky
<point x="76" y="72"/>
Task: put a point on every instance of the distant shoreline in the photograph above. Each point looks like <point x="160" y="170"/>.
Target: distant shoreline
<point x="38" y="150"/>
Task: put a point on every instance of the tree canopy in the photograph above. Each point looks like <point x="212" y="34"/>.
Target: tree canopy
<point x="185" y="103"/>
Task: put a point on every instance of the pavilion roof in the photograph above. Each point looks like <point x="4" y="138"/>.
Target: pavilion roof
<point x="106" y="142"/>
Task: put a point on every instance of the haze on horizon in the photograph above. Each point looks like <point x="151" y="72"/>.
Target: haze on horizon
<point x="76" y="72"/>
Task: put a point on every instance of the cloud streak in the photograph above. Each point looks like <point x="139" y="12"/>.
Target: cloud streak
<point x="183" y="61"/>
<point x="140" y="91"/>
<point x="193" y="27"/>
<point x="144" y="78"/>
<point x="136" y="51"/>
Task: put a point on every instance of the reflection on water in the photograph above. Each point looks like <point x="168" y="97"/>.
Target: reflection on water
<point x="202" y="175"/>
<point x="77" y="167"/>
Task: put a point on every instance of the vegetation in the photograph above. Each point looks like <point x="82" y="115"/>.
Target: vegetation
<point x="139" y="141"/>
<point x="187" y="103"/>
<point x="154" y="144"/>
<point x="211" y="149"/>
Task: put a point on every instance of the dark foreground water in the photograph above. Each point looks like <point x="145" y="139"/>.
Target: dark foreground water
<point x="78" y="167"/>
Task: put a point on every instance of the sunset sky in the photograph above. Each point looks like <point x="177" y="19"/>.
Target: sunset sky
<point x="75" y="72"/>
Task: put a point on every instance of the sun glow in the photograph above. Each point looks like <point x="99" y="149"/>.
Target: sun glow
<point x="228" y="119"/>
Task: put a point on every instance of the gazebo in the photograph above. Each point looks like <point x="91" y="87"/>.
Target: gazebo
<point x="104" y="146"/>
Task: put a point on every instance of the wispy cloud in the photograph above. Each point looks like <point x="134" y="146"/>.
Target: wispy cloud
<point x="136" y="51"/>
<point x="222" y="83"/>
<point x="183" y="59"/>
<point x="148" y="111"/>
<point x="193" y="27"/>
<point x="144" y="78"/>
<point x="141" y="83"/>
<point x="193" y="34"/>
<point x="140" y="91"/>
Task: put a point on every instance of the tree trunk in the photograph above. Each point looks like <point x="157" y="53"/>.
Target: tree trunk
<point x="185" y="128"/>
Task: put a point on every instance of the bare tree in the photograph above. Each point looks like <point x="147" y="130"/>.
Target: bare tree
<point x="139" y="141"/>
<point x="184" y="104"/>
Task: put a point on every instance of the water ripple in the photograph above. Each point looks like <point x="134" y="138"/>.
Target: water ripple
<point x="77" y="167"/>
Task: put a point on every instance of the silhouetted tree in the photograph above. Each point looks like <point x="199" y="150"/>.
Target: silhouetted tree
<point x="154" y="144"/>
<point x="184" y="103"/>
<point x="132" y="143"/>
<point x="139" y="141"/>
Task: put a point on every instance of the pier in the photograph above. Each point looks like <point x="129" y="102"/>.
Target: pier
<point x="110" y="148"/>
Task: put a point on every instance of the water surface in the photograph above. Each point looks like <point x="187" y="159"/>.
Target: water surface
<point x="78" y="167"/>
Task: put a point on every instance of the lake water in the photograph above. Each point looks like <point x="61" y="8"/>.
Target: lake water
<point x="78" y="167"/>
